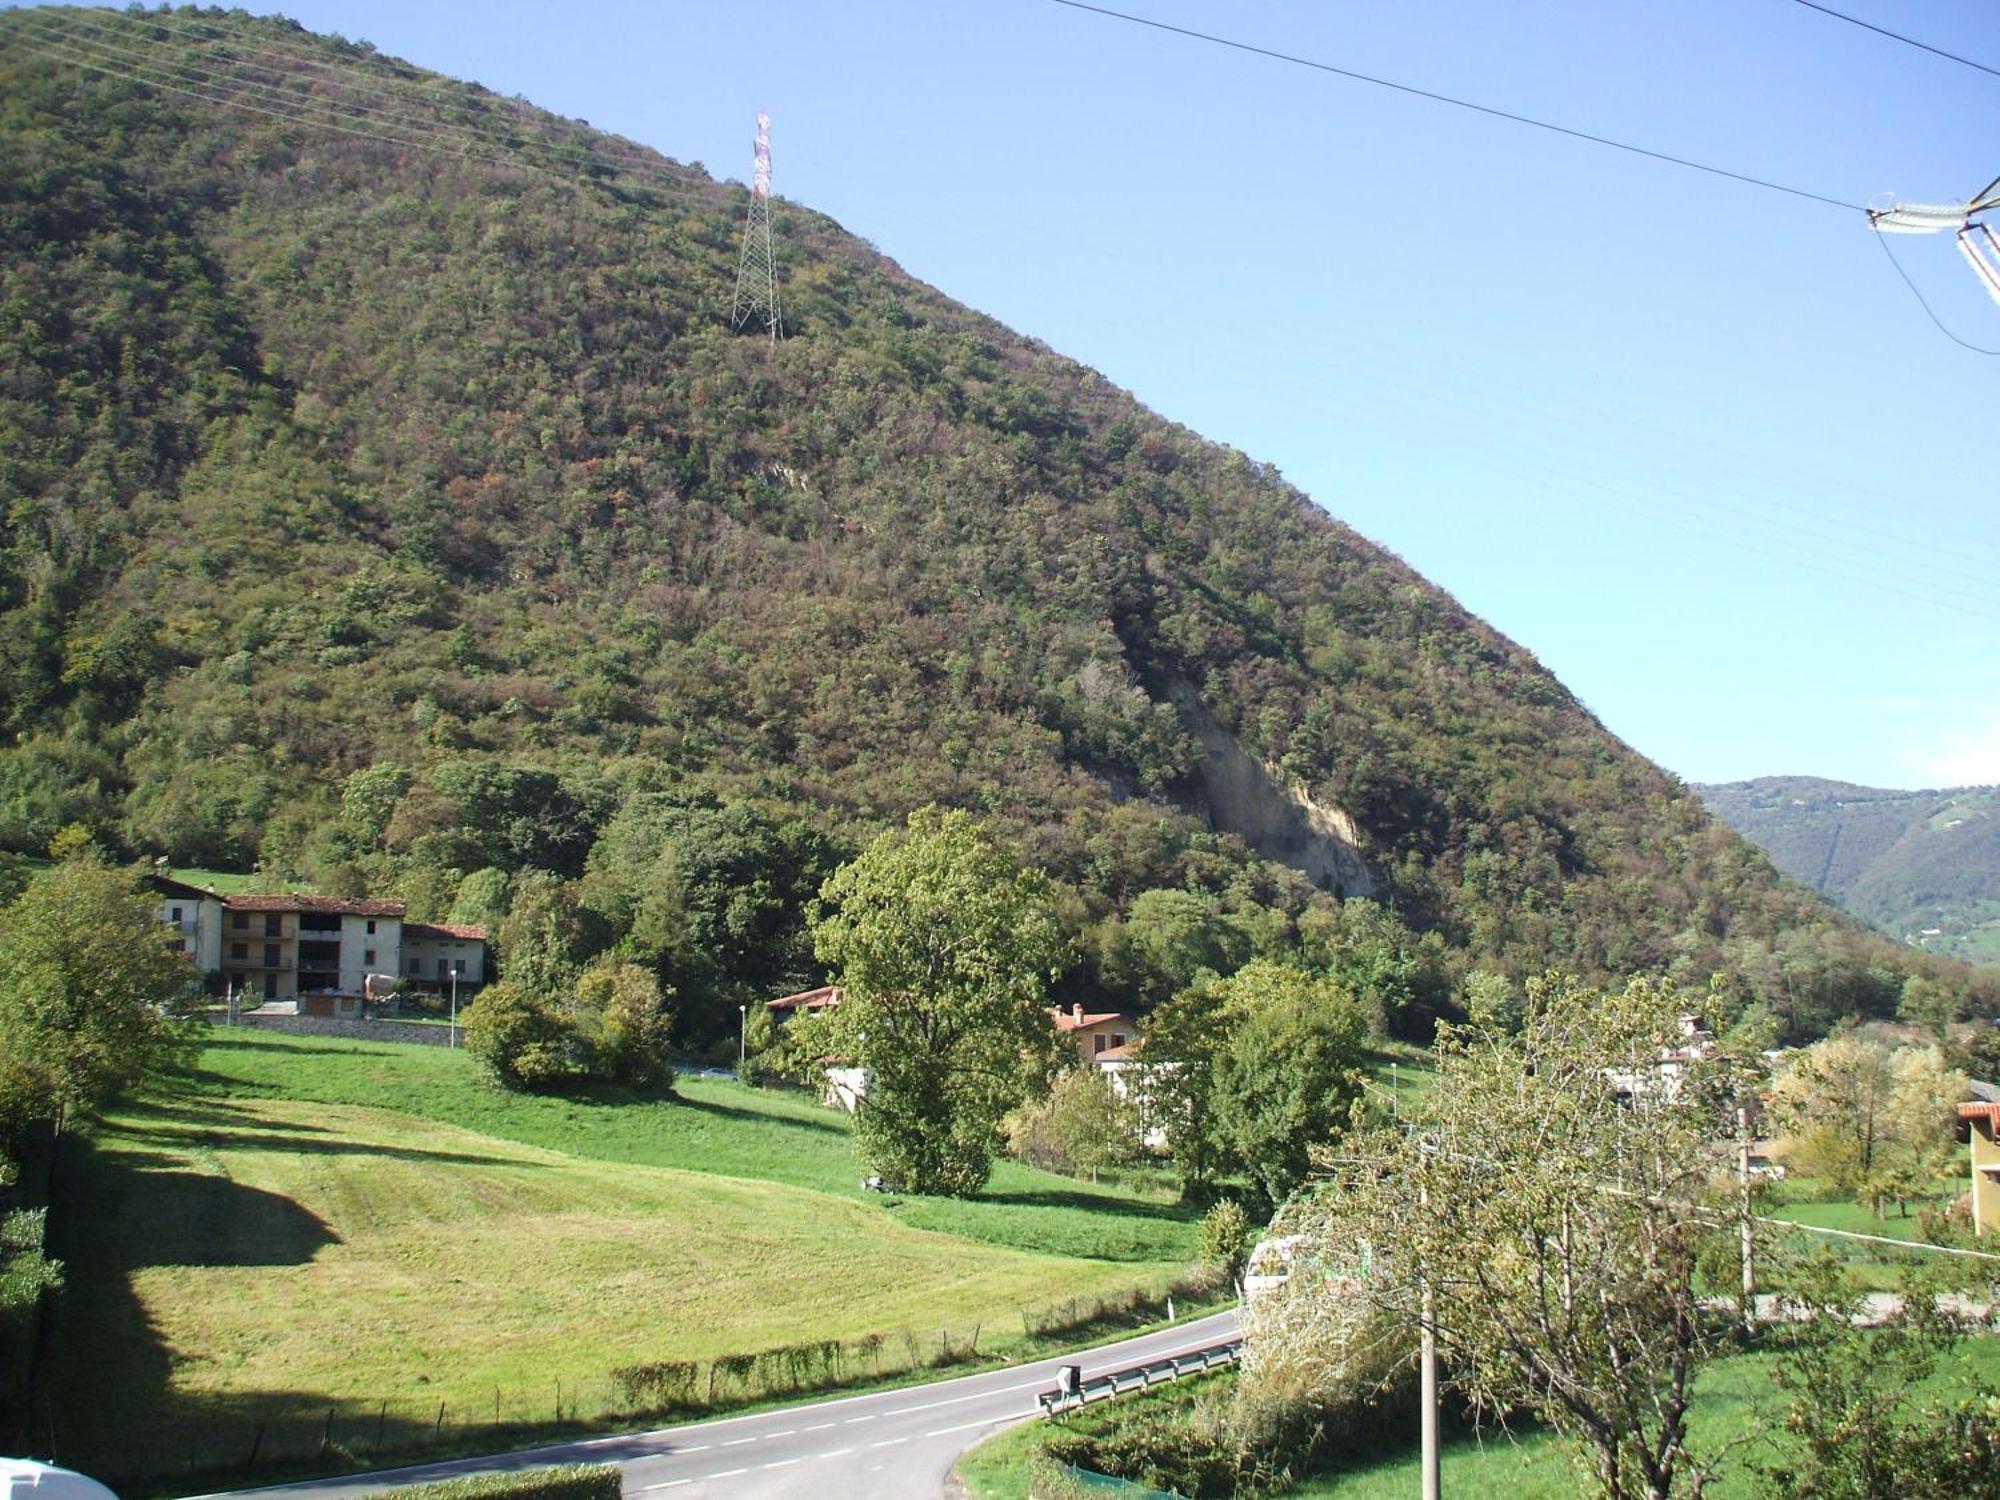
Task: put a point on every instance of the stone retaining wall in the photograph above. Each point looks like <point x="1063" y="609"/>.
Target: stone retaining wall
<point x="425" y="1034"/>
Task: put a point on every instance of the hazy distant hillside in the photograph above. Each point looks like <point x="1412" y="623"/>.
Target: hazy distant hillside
<point x="1922" y="866"/>
<point x="384" y="497"/>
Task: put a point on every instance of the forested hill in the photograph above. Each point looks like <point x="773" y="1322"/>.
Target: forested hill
<point x="387" y="500"/>
<point x="1921" y="866"/>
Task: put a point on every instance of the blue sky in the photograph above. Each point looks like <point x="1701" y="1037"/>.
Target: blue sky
<point x="1692" y="443"/>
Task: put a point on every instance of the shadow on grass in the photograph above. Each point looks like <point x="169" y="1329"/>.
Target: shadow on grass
<point x="261" y="1140"/>
<point x="1093" y="1203"/>
<point x="737" y="1112"/>
<point x="206" y="1111"/>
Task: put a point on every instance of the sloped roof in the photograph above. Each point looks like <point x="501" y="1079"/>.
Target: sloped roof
<point x="826" y="996"/>
<point x="345" y="906"/>
<point x="465" y="932"/>
<point x="1077" y="1019"/>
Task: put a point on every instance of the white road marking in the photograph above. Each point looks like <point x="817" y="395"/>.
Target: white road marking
<point x="781" y="1463"/>
<point x="852" y="1420"/>
<point x="889" y="1442"/>
<point x="738" y="1442"/>
<point x="961" y="1400"/>
<point x="671" y="1484"/>
<point x="834" y="1453"/>
<point x="726" y="1474"/>
<point x="968" y="1426"/>
<point x="692" y="1448"/>
<point x="822" y="1427"/>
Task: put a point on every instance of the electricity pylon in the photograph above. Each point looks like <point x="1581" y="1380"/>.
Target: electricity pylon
<point x="757" y="271"/>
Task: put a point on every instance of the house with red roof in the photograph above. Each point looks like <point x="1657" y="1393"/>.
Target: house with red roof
<point x="1982" y="1116"/>
<point x="1099" y="1036"/>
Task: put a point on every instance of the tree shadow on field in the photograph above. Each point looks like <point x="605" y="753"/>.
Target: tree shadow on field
<point x="737" y="1112"/>
<point x="205" y="1110"/>
<point x="272" y="1140"/>
<point x="116" y="1214"/>
<point x="1093" y="1203"/>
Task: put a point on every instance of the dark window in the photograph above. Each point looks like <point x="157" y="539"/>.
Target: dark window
<point x="270" y="986"/>
<point x="240" y="920"/>
<point x="1117" y="1038"/>
<point x="1099" y="1042"/>
<point x="240" y="951"/>
<point x="457" y="965"/>
<point x="274" y="925"/>
<point x="368" y="955"/>
<point x="371" y="932"/>
<point x="177" y="916"/>
<point x="270" y="955"/>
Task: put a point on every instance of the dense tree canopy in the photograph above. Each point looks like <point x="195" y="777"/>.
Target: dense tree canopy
<point x="89" y="993"/>
<point x="944" y="945"/>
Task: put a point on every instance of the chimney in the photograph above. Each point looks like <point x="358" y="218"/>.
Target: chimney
<point x="1076" y="1010"/>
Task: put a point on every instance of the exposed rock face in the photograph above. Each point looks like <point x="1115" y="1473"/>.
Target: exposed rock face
<point x="1266" y="809"/>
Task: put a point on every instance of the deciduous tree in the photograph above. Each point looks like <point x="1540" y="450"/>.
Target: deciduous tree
<point x="90" y="992"/>
<point x="945" y="947"/>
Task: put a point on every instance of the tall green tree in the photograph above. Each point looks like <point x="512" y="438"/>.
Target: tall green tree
<point x="1288" y="1072"/>
<point x="945" y="946"/>
<point x="90" y="992"/>
<point x="1251" y="1073"/>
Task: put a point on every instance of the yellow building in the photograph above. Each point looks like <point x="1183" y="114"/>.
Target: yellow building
<point x="1984" y="1120"/>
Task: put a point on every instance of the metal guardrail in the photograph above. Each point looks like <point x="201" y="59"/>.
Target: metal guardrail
<point x="1138" y="1378"/>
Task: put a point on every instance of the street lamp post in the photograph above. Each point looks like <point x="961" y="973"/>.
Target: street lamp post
<point x="454" y="1007"/>
<point x="742" y="1035"/>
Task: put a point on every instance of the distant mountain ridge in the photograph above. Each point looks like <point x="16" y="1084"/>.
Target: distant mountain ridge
<point x="1923" y="866"/>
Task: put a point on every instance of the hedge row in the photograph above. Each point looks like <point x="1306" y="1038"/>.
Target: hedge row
<point x="569" y="1482"/>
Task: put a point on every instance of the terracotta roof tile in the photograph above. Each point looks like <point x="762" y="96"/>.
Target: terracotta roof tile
<point x="468" y="932"/>
<point x="344" y="906"/>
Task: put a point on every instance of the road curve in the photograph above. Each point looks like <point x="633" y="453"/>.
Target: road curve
<point x="892" y="1443"/>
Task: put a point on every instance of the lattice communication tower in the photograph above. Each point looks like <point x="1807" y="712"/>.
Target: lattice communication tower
<point x="757" y="271"/>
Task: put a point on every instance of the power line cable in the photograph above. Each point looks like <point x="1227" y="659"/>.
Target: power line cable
<point x="1457" y="103"/>
<point x="1897" y="36"/>
<point x="1924" y="303"/>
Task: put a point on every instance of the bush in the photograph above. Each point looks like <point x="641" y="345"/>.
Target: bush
<point x="1225" y="1238"/>
<point x="518" y="1041"/>
<point x="570" y="1482"/>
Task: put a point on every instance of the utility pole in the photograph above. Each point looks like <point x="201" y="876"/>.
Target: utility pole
<point x="1748" y="1223"/>
<point x="1427" y="1333"/>
<point x="453" y="1037"/>
<point x="757" y="270"/>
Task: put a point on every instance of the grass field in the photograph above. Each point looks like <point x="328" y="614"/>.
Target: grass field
<point x="306" y="1227"/>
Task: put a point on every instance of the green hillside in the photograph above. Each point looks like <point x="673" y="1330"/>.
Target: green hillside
<point x="388" y="502"/>
<point x="1923" y="867"/>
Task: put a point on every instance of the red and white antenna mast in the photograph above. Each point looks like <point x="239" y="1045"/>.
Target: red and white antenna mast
<point x="757" y="270"/>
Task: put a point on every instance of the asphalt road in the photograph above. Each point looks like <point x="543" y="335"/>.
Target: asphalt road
<point x="894" y="1444"/>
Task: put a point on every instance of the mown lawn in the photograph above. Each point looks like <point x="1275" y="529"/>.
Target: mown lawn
<point x="717" y="1126"/>
<point x="338" y="1237"/>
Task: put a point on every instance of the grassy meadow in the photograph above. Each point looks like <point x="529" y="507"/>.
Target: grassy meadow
<point x="334" y="1234"/>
